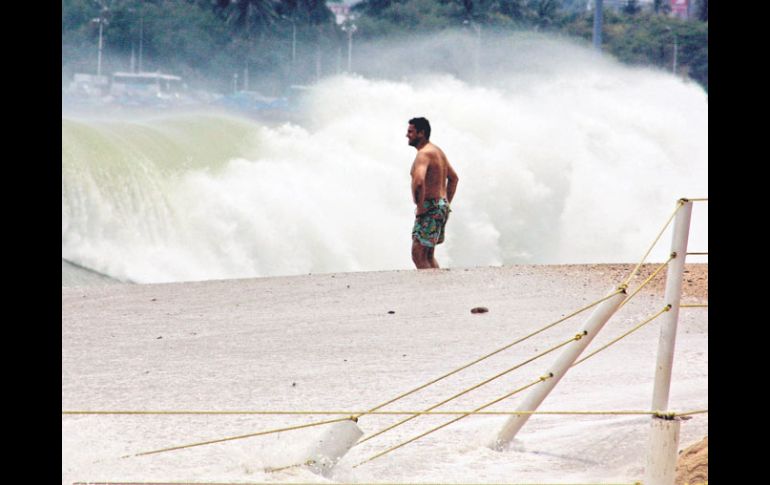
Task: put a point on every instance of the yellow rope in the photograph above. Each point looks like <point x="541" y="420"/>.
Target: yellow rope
<point x="697" y="200"/>
<point x="232" y="438"/>
<point x="545" y="352"/>
<point x="664" y="310"/>
<point x="355" y="417"/>
<point x="705" y="305"/>
<point x="679" y="204"/>
<point x="349" y="413"/>
<point x="645" y="282"/>
<point x="690" y="413"/>
<point x="620" y="289"/>
<point x="393" y="448"/>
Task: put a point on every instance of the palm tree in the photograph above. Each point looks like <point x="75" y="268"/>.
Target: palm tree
<point x="545" y="12"/>
<point x="703" y="10"/>
<point x="251" y="18"/>
<point x="248" y="16"/>
<point x="310" y="12"/>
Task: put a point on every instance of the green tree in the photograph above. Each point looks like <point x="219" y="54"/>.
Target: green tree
<point x="631" y="7"/>
<point x="309" y="12"/>
<point x="661" y="7"/>
<point x="250" y="21"/>
<point x="249" y="16"/>
<point x="385" y="18"/>
<point x="372" y="8"/>
<point x="200" y="36"/>
<point x="702" y="9"/>
<point x="544" y="13"/>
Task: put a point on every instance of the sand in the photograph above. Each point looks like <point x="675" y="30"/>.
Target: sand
<point x="693" y="464"/>
<point x="350" y="341"/>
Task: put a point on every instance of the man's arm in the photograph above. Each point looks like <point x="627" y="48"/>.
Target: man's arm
<point x="452" y="180"/>
<point x="419" y="172"/>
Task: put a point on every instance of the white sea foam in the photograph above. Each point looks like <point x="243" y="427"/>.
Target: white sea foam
<point x="564" y="156"/>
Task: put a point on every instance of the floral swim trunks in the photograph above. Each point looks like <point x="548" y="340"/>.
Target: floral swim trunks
<point x="429" y="226"/>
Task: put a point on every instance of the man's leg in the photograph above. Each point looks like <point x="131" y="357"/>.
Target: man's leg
<point x="431" y="260"/>
<point x="420" y="255"/>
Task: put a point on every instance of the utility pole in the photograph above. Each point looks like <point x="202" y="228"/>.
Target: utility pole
<point x="477" y="56"/>
<point x="141" y="38"/>
<point x="477" y="48"/>
<point x="100" y="20"/>
<point x="676" y="49"/>
<point x="598" y="20"/>
<point x="350" y="28"/>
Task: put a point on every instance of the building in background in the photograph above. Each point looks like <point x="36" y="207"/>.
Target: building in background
<point x="683" y="9"/>
<point x="341" y="10"/>
<point x="613" y="4"/>
<point x="680" y="8"/>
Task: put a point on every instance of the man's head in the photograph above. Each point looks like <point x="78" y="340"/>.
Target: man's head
<point x="419" y="131"/>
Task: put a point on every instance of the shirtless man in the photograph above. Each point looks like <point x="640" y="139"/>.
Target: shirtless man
<point x="434" y="182"/>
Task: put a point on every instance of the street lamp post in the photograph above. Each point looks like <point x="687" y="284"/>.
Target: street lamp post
<point x="676" y="49"/>
<point x="477" y="57"/>
<point x="598" y="21"/>
<point x="141" y="38"/>
<point x="293" y="37"/>
<point x="293" y="43"/>
<point x="477" y="49"/>
<point x="350" y="28"/>
<point x="101" y="21"/>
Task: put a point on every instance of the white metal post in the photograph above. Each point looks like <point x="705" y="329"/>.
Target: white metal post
<point x="664" y="433"/>
<point x="662" y="452"/>
<point x="330" y="447"/>
<point x="593" y="325"/>
<point x="673" y="294"/>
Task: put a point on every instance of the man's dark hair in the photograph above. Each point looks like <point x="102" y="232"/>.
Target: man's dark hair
<point x="421" y="124"/>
